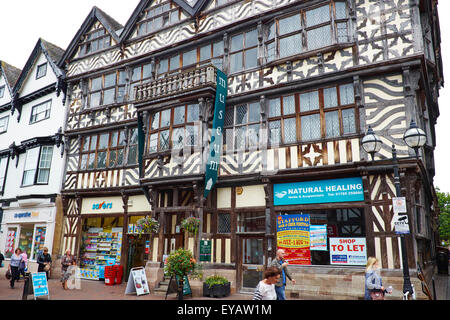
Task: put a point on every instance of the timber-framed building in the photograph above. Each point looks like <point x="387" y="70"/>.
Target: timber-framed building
<point x="305" y="81"/>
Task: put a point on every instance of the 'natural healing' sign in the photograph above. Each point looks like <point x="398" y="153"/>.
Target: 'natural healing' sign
<point x="322" y="191"/>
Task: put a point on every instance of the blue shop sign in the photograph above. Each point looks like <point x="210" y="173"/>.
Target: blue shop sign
<point x="321" y="191"/>
<point x="22" y="215"/>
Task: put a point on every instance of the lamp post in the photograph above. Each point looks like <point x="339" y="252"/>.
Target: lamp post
<point x="415" y="138"/>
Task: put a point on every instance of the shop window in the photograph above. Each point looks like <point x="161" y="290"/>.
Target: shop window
<point x="41" y="112"/>
<point x="39" y="240"/>
<point x="339" y="223"/>
<point x="223" y="223"/>
<point x="314" y="115"/>
<point x="10" y="242"/>
<point x="101" y="245"/>
<point x="251" y="222"/>
<point x="3" y="165"/>
<point x="107" y="89"/>
<point x="37" y="166"/>
<point x="242" y="127"/>
<point x="26" y="239"/>
<point x="94" y="41"/>
<point x="174" y="128"/>
<point x="284" y="35"/>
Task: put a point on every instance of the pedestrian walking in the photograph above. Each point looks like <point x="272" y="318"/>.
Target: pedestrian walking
<point x="282" y="265"/>
<point x="2" y="258"/>
<point x="265" y="290"/>
<point x="44" y="261"/>
<point x="374" y="289"/>
<point x="13" y="267"/>
<point x="66" y="261"/>
<point x="23" y="264"/>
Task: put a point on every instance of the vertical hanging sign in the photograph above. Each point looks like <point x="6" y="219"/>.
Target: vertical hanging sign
<point x="215" y="146"/>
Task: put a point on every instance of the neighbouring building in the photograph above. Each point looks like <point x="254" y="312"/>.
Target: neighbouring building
<point x="31" y="155"/>
<point x="305" y="80"/>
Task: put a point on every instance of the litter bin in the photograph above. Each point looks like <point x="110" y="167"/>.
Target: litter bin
<point x="442" y="261"/>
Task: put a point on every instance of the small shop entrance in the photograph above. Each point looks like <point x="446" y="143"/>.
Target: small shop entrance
<point x="251" y="262"/>
<point x="173" y="234"/>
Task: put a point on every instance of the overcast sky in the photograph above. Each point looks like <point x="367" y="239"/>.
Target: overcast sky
<point x="22" y="22"/>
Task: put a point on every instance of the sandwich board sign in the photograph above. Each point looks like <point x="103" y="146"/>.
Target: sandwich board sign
<point x="40" y="285"/>
<point x="137" y="282"/>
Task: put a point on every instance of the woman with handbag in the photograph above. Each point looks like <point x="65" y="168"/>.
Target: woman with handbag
<point x="13" y="267"/>
<point x="374" y="289"/>
<point x="44" y="261"/>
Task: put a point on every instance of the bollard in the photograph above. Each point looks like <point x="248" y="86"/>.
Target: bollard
<point x="26" y="286"/>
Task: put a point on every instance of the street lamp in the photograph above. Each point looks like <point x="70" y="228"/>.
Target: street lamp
<point x="415" y="138"/>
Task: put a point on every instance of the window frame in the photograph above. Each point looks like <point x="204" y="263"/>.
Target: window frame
<point x="47" y="112"/>
<point x="87" y="44"/>
<point x="149" y="20"/>
<point x="5" y="125"/>
<point x="321" y="110"/>
<point x="37" y="167"/>
<point x="120" y="82"/>
<point x="118" y="140"/>
<point x="303" y="30"/>
<point x="242" y="51"/>
<point x="2" y="91"/>
<point x="171" y="127"/>
<point x="39" y="73"/>
<point x="4" y="161"/>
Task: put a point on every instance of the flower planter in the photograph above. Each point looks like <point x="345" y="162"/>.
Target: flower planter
<point x="216" y="290"/>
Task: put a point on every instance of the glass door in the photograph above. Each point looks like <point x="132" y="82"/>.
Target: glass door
<point x="252" y="257"/>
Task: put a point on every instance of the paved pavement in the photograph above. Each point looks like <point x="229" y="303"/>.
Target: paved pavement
<point x="97" y="290"/>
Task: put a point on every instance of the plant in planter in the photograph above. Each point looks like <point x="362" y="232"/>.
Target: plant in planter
<point x="191" y="225"/>
<point x="216" y="286"/>
<point x="180" y="263"/>
<point x="147" y="225"/>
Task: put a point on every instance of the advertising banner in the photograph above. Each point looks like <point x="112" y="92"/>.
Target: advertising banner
<point x="137" y="282"/>
<point x="348" y="251"/>
<point x="293" y="237"/>
<point x="321" y="191"/>
<point x="318" y="237"/>
<point x="215" y="147"/>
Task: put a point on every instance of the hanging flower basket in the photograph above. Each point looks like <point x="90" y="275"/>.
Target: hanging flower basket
<point x="147" y="225"/>
<point x="191" y="225"/>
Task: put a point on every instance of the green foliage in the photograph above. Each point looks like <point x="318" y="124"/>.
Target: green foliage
<point x="180" y="263"/>
<point x="444" y="216"/>
<point x="191" y="225"/>
<point x="216" y="280"/>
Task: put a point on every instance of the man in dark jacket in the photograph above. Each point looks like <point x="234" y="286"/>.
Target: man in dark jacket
<point x="282" y="265"/>
<point x="43" y="260"/>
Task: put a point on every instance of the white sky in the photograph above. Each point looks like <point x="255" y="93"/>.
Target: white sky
<point x="22" y="22"/>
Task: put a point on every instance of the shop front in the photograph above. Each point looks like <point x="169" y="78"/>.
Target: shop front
<point x="101" y="235"/>
<point x="30" y="229"/>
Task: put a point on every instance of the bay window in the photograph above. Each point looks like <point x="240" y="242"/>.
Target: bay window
<point x="107" y="89"/>
<point x="174" y="128"/>
<point x="242" y="127"/>
<point x="244" y="51"/>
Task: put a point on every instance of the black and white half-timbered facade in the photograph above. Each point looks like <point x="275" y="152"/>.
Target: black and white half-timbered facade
<point x="306" y="79"/>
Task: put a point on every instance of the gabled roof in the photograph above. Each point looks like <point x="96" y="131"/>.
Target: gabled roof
<point x="53" y="54"/>
<point x="10" y="73"/>
<point x="192" y="7"/>
<point x="96" y="14"/>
